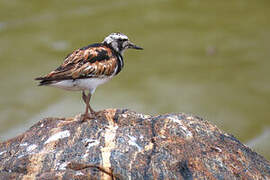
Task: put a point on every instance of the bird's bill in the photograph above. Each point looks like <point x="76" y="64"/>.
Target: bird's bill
<point x="133" y="46"/>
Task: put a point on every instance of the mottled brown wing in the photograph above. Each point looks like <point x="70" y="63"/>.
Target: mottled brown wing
<point x="86" y="62"/>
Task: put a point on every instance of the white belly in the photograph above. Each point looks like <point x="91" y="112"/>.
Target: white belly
<point x="80" y="84"/>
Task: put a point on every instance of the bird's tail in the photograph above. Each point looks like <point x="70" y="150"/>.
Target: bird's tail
<point x="43" y="81"/>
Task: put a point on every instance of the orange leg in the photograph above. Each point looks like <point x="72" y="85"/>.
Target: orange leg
<point x="87" y="99"/>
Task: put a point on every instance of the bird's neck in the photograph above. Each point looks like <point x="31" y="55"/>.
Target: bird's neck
<point x="119" y="56"/>
<point x="120" y="63"/>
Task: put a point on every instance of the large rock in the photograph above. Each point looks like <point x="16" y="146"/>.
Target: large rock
<point x="122" y="144"/>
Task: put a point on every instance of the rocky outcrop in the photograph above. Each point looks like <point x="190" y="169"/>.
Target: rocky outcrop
<point x="121" y="144"/>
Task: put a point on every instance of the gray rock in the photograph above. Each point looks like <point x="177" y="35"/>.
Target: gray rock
<point x="121" y="144"/>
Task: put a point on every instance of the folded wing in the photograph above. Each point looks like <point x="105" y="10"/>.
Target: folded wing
<point x="88" y="62"/>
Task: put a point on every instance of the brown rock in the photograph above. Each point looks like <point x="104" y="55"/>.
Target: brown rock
<point x="122" y="144"/>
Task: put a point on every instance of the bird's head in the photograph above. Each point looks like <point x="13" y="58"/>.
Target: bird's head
<point x="120" y="42"/>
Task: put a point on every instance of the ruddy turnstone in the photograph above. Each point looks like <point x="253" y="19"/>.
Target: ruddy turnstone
<point x="88" y="67"/>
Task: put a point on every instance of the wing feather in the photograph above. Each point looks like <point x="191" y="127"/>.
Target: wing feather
<point x="84" y="63"/>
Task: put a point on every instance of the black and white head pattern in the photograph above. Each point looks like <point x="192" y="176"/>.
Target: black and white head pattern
<point x="118" y="41"/>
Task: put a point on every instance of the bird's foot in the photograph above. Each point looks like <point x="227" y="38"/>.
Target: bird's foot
<point x="98" y="113"/>
<point x="88" y="116"/>
<point x="93" y="115"/>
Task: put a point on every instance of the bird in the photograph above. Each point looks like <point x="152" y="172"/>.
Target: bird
<point x="88" y="67"/>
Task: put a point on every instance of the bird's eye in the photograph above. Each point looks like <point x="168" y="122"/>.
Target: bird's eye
<point x="123" y="40"/>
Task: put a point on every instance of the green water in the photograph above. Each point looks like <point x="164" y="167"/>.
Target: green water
<point x="209" y="58"/>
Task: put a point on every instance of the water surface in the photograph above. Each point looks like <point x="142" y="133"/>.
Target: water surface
<point x="208" y="58"/>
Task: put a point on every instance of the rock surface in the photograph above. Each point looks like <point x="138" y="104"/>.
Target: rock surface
<point x="121" y="144"/>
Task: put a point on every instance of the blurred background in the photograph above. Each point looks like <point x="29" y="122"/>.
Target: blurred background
<point x="208" y="58"/>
